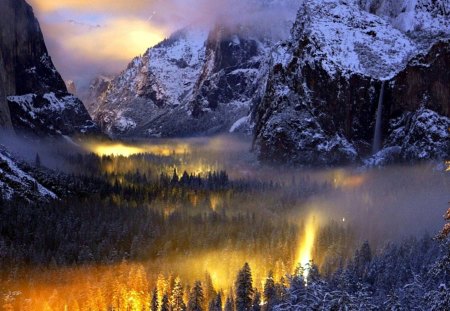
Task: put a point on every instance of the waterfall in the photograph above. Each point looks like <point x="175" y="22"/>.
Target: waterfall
<point x="378" y="124"/>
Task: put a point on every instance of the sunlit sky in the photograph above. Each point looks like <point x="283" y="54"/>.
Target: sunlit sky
<point x="90" y="37"/>
<point x="86" y="37"/>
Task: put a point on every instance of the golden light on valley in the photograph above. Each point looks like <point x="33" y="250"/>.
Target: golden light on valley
<point x="306" y="243"/>
<point x="116" y="150"/>
<point x="121" y="149"/>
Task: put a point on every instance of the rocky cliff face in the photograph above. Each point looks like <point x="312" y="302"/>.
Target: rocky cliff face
<point x="195" y="82"/>
<point x="27" y="74"/>
<point x="325" y="86"/>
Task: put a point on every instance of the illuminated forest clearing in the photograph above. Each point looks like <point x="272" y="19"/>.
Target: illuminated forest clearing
<point x="156" y="218"/>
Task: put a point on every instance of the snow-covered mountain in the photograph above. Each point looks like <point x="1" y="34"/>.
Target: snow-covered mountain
<point x="345" y="60"/>
<point x="14" y="181"/>
<point x="196" y="81"/>
<point x="33" y="96"/>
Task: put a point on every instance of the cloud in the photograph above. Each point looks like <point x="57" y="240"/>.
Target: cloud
<point x="84" y="36"/>
<point x="117" y="6"/>
<point x="118" y="40"/>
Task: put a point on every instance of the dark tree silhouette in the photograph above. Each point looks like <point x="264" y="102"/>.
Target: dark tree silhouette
<point x="244" y="289"/>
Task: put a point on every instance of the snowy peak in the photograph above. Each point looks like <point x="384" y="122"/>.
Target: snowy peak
<point x="195" y="82"/>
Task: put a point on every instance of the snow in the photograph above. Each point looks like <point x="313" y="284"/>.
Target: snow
<point x="14" y="175"/>
<point x="55" y="104"/>
<point x="421" y="135"/>
<point x="123" y="123"/>
<point x="160" y="89"/>
<point x="347" y="39"/>
<point x="239" y="123"/>
<point x="424" y="17"/>
<point x="58" y="104"/>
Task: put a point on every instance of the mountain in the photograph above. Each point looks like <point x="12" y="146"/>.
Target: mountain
<point x="357" y="78"/>
<point x="33" y="96"/>
<point x="15" y="181"/>
<point x="194" y="82"/>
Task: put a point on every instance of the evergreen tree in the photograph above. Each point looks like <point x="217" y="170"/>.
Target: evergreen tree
<point x="208" y="290"/>
<point x="216" y="303"/>
<point x="176" y="300"/>
<point x="154" y="302"/>
<point x="196" y="299"/>
<point x="244" y="289"/>
<point x="270" y="294"/>
<point x="229" y="304"/>
<point x="256" y="301"/>
<point x="165" y="303"/>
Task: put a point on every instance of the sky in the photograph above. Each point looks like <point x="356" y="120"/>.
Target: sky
<point x="90" y="37"/>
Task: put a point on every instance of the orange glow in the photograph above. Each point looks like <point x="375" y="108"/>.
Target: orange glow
<point x="306" y="242"/>
<point x="89" y="5"/>
<point x="116" y="150"/>
<point x="215" y="201"/>
<point x="341" y="179"/>
<point x="447" y="163"/>
<point x="120" y="39"/>
<point x="120" y="149"/>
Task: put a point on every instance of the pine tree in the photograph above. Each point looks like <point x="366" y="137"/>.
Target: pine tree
<point x="229" y="304"/>
<point x="256" y="301"/>
<point x="196" y="299"/>
<point x="176" y="300"/>
<point x="208" y="290"/>
<point x="154" y="303"/>
<point x="216" y="303"/>
<point x="270" y="294"/>
<point x="244" y="289"/>
<point x="165" y="303"/>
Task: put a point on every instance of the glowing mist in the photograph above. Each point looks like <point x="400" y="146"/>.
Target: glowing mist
<point x="306" y="243"/>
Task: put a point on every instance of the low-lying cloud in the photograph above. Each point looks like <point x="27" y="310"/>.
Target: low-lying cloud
<point x="87" y="37"/>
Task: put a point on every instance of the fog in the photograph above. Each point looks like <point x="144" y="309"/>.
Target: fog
<point x="197" y="209"/>
<point x="380" y="204"/>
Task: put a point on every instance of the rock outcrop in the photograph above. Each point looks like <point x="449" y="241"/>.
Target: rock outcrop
<point x="325" y="85"/>
<point x="27" y="74"/>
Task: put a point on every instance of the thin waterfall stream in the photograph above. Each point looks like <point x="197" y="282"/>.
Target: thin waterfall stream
<point x="376" y="146"/>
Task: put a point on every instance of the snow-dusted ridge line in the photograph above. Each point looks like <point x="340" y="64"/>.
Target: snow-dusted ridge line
<point x="13" y="175"/>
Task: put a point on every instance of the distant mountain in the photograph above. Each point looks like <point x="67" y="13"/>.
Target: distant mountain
<point x="33" y="96"/>
<point x="345" y="61"/>
<point x="195" y="82"/>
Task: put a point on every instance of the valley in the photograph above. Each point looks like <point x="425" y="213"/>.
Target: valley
<point x="159" y="214"/>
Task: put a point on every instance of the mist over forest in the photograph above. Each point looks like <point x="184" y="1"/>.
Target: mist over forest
<point x="224" y="155"/>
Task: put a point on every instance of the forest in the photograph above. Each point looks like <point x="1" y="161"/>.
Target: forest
<point x="200" y="227"/>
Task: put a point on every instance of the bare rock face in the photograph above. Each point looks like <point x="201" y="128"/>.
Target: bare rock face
<point x="325" y="86"/>
<point x="27" y="72"/>
<point x="5" y="116"/>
